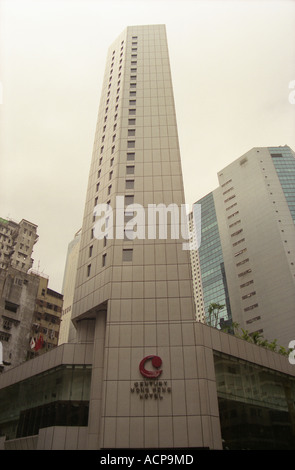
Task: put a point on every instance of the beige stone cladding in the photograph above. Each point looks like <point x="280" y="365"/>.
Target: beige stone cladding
<point x="258" y="239"/>
<point x="138" y="292"/>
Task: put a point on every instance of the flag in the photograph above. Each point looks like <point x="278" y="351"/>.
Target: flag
<point x="39" y="343"/>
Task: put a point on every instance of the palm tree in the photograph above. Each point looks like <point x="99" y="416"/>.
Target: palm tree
<point x="213" y="310"/>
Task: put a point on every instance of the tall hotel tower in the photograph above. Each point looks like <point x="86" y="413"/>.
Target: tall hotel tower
<point x="133" y="298"/>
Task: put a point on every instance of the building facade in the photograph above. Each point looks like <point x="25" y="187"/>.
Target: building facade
<point x="133" y="295"/>
<point x="47" y="318"/>
<point x="17" y="305"/>
<point x="67" y="331"/>
<point x="196" y="273"/>
<point x="255" y="212"/>
<point x="246" y="256"/>
<point x="210" y="283"/>
<point x="17" y="241"/>
<point x="45" y="403"/>
<point x="29" y="316"/>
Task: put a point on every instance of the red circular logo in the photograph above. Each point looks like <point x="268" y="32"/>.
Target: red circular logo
<point x="156" y="363"/>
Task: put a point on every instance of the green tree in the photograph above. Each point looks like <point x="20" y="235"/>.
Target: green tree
<point x="213" y="311"/>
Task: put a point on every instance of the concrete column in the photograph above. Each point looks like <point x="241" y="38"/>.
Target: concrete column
<point x="96" y="381"/>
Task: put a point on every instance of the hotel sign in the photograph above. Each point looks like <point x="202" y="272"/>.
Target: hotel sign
<point x="151" y="387"/>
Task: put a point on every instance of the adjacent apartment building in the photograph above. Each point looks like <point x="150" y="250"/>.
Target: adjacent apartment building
<point x="29" y="311"/>
<point x="248" y="240"/>
<point x="17" y="241"/>
<point x="30" y="315"/>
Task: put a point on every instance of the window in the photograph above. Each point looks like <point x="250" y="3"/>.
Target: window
<point x="113" y="148"/>
<point x="243" y="262"/>
<point x="131" y="144"/>
<point x="235" y="223"/>
<point x="250" y="308"/>
<point x="130" y="170"/>
<point x="228" y="190"/>
<point x="129" y="200"/>
<point x="227" y="182"/>
<point x="247" y="284"/>
<point x="110" y="175"/>
<point x="248" y="295"/>
<point x="112" y="161"/>
<point x="104" y="259"/>
<point x="230" y="207"/>
<point x="236" y="233"/>
<point x="10" y="306"/>
<point x="88" y="270"/>
<point x="130" y="156"/>
<point x="109" y="189"/>
<point x="240" y="252"/>
<point x="127" y="254"/>
<point x="97" y="186"/>
<point x="239" y="241"/>
<point x="132" y="102"/>
<point x="131" y="122"/>
<point x="131" y="132"/>
<point x="229" y="198"/>
<point x="245" y="272"/>
<point x="253" y="319"/>
<point x="132" y="85"/>
<point x="129" y="184"/>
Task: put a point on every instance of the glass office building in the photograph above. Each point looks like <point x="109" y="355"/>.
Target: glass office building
<point x="284" y="163"/>
<point x="211" y="262"/>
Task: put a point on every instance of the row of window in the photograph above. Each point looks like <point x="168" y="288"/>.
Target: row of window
<point x="127" y="254"/>
<point x="236" y="243"/>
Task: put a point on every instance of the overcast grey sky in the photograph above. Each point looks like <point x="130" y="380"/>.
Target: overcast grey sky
<point x="232" y="63"/>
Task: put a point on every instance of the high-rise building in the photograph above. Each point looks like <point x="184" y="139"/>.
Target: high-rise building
<point x="134" y="295"/>
<point x="196" y="272"/>
<point x="67" y="331"/>
<point x="17" y="241"/>
<point x="29" y="316"/>
<point x="256" y="212"/>
<point x="246" y="257"/>
<point x="47" y="318"/>
<point x="210" y="284"/>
